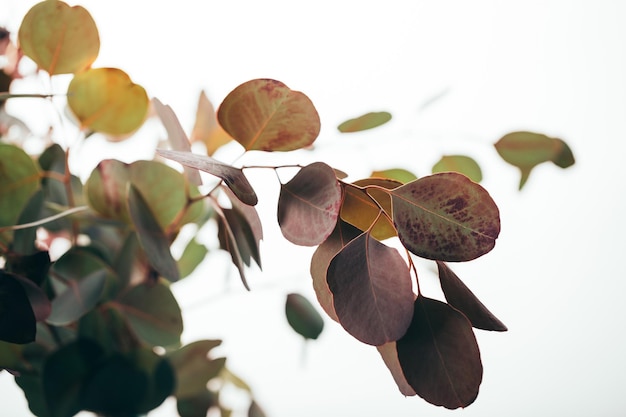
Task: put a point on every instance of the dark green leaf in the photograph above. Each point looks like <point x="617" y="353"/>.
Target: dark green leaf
<point x="78" y="298"/>
<point x="303" y="317"/>
<point x="194" y="368"/>
<point x="17" y="319"/>
<point x="198" y="405"/>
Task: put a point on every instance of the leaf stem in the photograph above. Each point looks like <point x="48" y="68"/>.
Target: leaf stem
<point x="57" y="216"/>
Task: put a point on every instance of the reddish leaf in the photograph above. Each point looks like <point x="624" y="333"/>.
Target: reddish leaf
<point x="151" y="237"/>
<point x="371" y="287"/>
<point x="389" y="353"/>
<point x="364" y="122"/>
<point x="320" y="261"/>
<point x="439" y="355"/>
<point x="267" y="115"/>
<point x="233" y="177"/>
<point x="361" y="207"/>
<point x="228" y="242"/>
<point x="445" y="217"/>
<point x="303" y="317"/>
<point x="176" y="135"/>
<point x="250" y="224"/>
<point x="309" y="204"/>
<point x="461" y="298"/>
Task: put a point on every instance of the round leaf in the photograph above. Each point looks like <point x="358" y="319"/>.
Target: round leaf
<point x="59" y="38"/>
<point x="459" y="163"/>
<point x="267" y="115"/>
<point x="445" y="217"/>
<point x="364" y="122"/>
<point x="303" y="317"/>
<point x="106" y="100"/>
<point x="309" y="204"/>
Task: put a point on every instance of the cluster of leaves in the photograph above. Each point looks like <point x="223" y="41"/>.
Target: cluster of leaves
<point x="80" y="332"/>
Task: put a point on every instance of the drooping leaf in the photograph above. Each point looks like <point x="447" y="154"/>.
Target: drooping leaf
<point x="153" y="313"/>
<point x="439" y="355"/>
<point x="106" y="100"/>
<point x="267" y="115"/>
<point x="78" y="298"/>
<point x="17" y="319"/>
<point x="460" y="297"/>
<point x="194" y="368"/>
<point x="255" y="410"/>
<point x="250" y="224"/>
<point x="371" y="287"/>
<point x="362" y="203"/>
<point x="461" y="164"/>
<point x="176" y="135"/>
<point x="228" y="242"/>
<point x="320" y="261"/>
<point x="19" y="180"/>
<point x="59" y="38"/>
<point x="364" y="122"/>
<point x="389" y="354"/>
<point x="526" y="150"/>
<point x="303" y="317"/>
<point x="192" y="256"/>
<point x="64" y="374"/>
<point x="206" y="128"/>
<point x="233" y="177"/>
<point x="151" y="237"/>
<point x="398" y="174"/>
<point x="445" y="217"/>
<point x="242" y="235"/>
<point x="309" y="204"/>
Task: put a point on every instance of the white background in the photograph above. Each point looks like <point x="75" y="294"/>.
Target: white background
<point x="555" y="277"/>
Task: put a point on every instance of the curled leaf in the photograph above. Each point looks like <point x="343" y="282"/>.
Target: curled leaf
<point x="267" y="115"/>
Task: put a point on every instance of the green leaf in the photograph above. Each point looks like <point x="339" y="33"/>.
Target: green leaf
<point x="192" y="256"/>
<point x="526" y="150"/>
<point x="78" y="298"/>
<point x="151" y="237"/>
<point x="194" y="368"/>
<point x="233" y="177"/>
<point x="445" y="217"/>
<point x="34" y="267"/>
<point x="153" y="313"/>
<point x="371" y="288"/>
<point x="309" y="204"/>
<point x="106" y="100"/>
<point x="198" y="405"/>
<point x="17" y="319"/>
<point x="461" y="164"/>
<point x="439" y="355"/>
<point x="364" y="122"/>
<point x="398" y="174"/>
<point x="303" y="317"/>
<point x="460" y="297"/>
<point x="78" y="263"/>
<point x="267" y="115"/>
<point x="59" y="38"/>
<point x="24" y="239"/>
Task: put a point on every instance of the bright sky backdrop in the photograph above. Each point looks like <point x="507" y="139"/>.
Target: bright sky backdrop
<point x="555" y="277"/>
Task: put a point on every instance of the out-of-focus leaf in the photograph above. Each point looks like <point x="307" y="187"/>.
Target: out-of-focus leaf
<point x="398" y="174"/>
<point x="439" y="355"/>
<point x="19" y="180"/>
<point x="79" y="298"/>
<point x="109" y="329"/>
<point x="255" y="410"/>
<point x="106" y="100"/>
<point x="228" y="242"/>
<point x="526" y="150"/>
<point x="371" y="288"/>
<point x="267" y="115"/>
<point x="151" y="237"/>
<point x="359" y="210"/>
<point x="364" y="122"/>
<point x="233" y="177"/>
<point x="59" y="38"/>
<point x="320" y="262"/>
<point x="64" y="374"/>
<point x="250" y="224"/>
<point x="17" y="318"/>
<point x="461" y="164"/>
<point x="194" y="368"/>
<point x="198" y="405"/>
<point x="460" y="297"/>
<point x="24" y="239"/>
<point x="303" y="317"/>
<point x="34" y="267"/>
<point x="176" y="135"/>
<point x="228" y="376"/>
<point x="31" y="385"/>
<point x="105" y="189"/>
<point x="309" y="204"/>
<point x="192" y="256"/>
<point x="445" y="217"/>
<point x="389" y="354"/>
<point x="206" y="128"/>
<point x="153" y="313"/>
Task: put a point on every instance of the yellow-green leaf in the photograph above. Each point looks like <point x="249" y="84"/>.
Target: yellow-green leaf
<point x="459" y="163"/>
<point x="59" y="38"/>
<point x="267" y="115"/>
<point x="206" y="128"/>
<point x="398" y="174"/>
<point x="364" y="122"/>
<point x="106" y="100"/>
